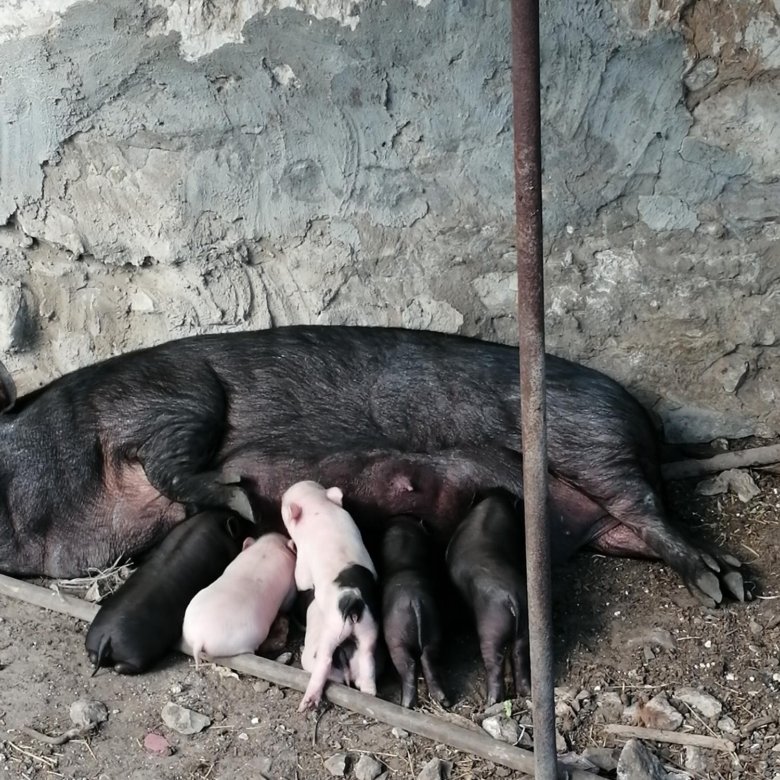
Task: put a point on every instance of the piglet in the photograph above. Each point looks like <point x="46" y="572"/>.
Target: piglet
<point x="333" y="560"/>
<point x="409" y="611"/>
<point x="485" y="562"/>
<point x="234" y="614"/>
<point x="139" y="623"/>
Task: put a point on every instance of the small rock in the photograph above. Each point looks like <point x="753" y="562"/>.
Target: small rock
<point x="701" y="74"/>
<point x="502" y="728"/>
<point x="734" y="480"/>
<point x="368" y="768"/>
<point x="653" y="637"/>
<point x="337" y="765"/>
<point x="284" y="658"/>
<point x="183" y="720"/>
<point x="601" y="757"/>
<point x="176" y="688"/>
<point x="610" y="706"/>
<point x="703" y="703"/>
<point x="755" y="628"/>
<point x="637" y="762"/>
<point x="88" y="714"/>
<point x="727" y="725"/>
<point x="261" y="686"/>
<point x="659" y="714"/>
<point x="696" y="761"/>
<point x="399" y="733"/>
<point x="560" y="743"/>
<point x="435" y="769"/>
<point x="157" y="744"/>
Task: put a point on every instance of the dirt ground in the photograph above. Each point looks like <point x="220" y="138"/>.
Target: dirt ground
<point x="609" y="615"/>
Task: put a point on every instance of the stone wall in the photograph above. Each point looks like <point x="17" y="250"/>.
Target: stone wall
<point x="184" y="166"/>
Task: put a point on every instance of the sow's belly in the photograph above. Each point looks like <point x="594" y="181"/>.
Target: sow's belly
<point x="128" y="517"/>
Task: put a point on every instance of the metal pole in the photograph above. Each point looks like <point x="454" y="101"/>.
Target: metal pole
<point x="530" y="315"/>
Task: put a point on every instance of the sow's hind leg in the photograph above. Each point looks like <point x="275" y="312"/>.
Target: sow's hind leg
<point x="641" y="511"/>
<point x="180" y="434"/>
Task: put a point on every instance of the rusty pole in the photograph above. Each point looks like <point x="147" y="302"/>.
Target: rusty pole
<point x="530" y="316"/>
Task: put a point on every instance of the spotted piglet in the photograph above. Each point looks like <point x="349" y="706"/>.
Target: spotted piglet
<point x="333" y="560"/>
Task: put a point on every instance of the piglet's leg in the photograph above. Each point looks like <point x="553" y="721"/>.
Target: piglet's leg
<point x="365" y="633"/>
<point x="329" y="641"/>
<point x="435" y="689"/>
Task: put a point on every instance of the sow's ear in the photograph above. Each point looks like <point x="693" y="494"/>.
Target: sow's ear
<point x="335" y="495"/>
<point x="7" y="390"/>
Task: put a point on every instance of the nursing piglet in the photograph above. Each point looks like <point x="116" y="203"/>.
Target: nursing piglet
<point x="139" y="623"/>
<point x="234" y="614"/>
<point x="409" y="610"/>
<point x="333" y="560"/>
<point x="485" y="560"/>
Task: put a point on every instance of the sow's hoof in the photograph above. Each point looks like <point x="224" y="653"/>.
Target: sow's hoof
<point x="707" y="576"/>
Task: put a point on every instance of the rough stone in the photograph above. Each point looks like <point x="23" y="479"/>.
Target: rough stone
<point x="435" y="769"/>
<point x="368" y="768"/>
<point x="637" y="762"/>
<point x="184" y="720"/>
<point x="127" y="219"/>
<point x="659" y="714"/>
<point x="698" y="761"/>
<point x="610" y="706"/>
<point x="733" y="480"/>
<point x="502" y="728"/>
<point x="337" y="764"/>
<point x="88" y="714"/>
<point x="601" y="757"/>
<point x="706" y="705"/>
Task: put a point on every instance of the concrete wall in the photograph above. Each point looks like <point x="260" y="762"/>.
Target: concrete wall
<point x="184" y="166"/>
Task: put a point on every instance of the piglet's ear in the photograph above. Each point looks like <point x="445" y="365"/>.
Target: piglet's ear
<point x="7" y="390"/>
<point x="248" y="542"/>
<point x="335" y="495"/>
<point x="295" y="512"/>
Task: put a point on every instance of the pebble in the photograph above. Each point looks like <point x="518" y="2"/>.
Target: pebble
<point x="399" y="733"/>
<point x="284" y="658"/>
<point x="88" y="714"/>
<point x="659" y="714"/>
<point x="337" y="765"/>
<point x="696" y="761"/>
<point x="436" y="769"/>
<point x="368" y="768"/>
<point x="610" y="706"/>
<point x="727" y="725"/>
<point x="637" y="762"/>
<point x="184" y="720"/>
<point x="157" y="744"/>
<point x="261" y="686"/>
<point x="560" y="743"/>
<point x="703" y="703"/>
<point x="601" y="757"/>
<point x="502" y="728"/>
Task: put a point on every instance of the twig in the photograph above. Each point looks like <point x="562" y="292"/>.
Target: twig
<point x="74" y="733"/>
<point x="672" y="737"/>
<point x="757" y="723"/>
<point x="417" y="722"/>
<point x="756" y="456"/>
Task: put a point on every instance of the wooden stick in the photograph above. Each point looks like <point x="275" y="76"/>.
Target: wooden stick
<point x="673" y="737"/>
<point x="420" y="723"/>
<point x="756" y="456"/>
